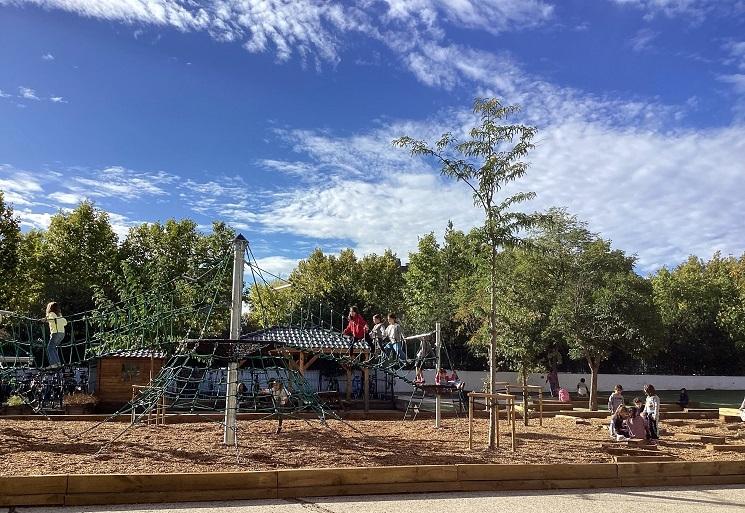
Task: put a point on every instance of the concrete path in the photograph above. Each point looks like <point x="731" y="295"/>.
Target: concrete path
<point x="659" y="500"/>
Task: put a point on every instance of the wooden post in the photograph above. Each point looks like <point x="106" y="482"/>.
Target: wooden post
<point x="438" y="398"/>
<point x="302" y="363"/>
<point x="366" y="384"/>
<point x="495" y="404"/>
<point x="540" y="406"/>
<point x="514" y="421"/>
<point x="470" y="422"/>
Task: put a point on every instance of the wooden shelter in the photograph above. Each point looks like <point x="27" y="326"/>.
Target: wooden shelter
<point x="304" y="346"/>
<point x="113" y="375"/>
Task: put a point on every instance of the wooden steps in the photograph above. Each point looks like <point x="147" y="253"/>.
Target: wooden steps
<point x="725" y="448"/>
<point x="691" y="437"/>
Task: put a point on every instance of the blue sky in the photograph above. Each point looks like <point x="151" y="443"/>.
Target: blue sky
<point x="277" y="117"/>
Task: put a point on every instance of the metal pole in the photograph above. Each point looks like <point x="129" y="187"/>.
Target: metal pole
<point x="438" y="399"/>
<point x="239" y="250"/>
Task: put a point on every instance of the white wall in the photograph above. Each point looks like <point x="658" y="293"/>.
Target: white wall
<point x="606" y="382"/>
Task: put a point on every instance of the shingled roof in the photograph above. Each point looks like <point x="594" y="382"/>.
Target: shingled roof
<point x="316" y="339"/>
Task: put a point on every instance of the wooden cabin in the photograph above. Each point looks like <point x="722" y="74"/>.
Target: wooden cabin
<point x="111" y="376"/>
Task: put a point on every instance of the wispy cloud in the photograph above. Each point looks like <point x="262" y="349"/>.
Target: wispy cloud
<point x="57" y="99"/>
<point x="693" y="10"/>
<point x="120" y="182"/>
<point x="643" y="39"/>
<point x="48" y="57"/>
<point x="4" y="94"/>
<point x="20" y="187"/>
<point x="27" y="94"/>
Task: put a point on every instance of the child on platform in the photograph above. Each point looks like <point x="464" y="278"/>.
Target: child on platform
<point x="396" y="339"/>
<point x="57" y="325"/>
<point x="378" y="332"/>
<point x="582" y="389"/>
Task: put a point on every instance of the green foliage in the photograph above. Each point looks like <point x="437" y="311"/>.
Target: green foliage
<point x="10" y="245"/>
<point x="702" y="305"/>
<point x="79" y="255"/>
<point x="325" y="286"/>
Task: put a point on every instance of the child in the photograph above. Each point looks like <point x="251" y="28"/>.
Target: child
<point x="378" y="332"/>
<point x="396" y="339"/>
<point x="552" y="378"/>
<point x="616" y="399"/>
<point x="683" y="398"/>
<point x="635" y="424"/>
<point x="652" y="411"/>
<point x="356" y="329"/>
<point x="57" y="325"/>
<point x="618" y="429"/>
<point x="421" y="355"/>
<point x="582" y="389"/>
<point x="280" y="398"/>
<point x="564" y="396"/>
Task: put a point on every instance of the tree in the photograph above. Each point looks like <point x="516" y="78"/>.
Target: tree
<point x="10" y="243"/>
<point x="488" y="160"/>
<point x="702" y="306"/>
<point x="80" y="255"/>
<point x="604" y="304"/>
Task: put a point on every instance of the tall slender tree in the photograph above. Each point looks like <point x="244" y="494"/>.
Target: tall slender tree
<point x="491" y="157"/>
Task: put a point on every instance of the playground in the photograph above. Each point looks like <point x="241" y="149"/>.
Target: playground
<point x="46" y="447"/>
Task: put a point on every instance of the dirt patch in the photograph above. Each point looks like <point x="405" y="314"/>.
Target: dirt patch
<point x="46" y="447"/>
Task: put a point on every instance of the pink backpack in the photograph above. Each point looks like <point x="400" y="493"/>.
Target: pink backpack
<point x="564" y="395"/>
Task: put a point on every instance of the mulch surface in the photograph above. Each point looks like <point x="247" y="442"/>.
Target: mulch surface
<point x="29" y="447"/>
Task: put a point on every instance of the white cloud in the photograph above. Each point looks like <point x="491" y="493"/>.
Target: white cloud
<point x="659" y="194"/>
<point x="277" y="265"/>
<point x="34" y="220"/>
<point x="67" y="198"/>
<point x="642" y="40"/>
<point x="313" y="28"/>
<point x="20" y="187"/>
<point x="694" y="10"/>
<point x="27" y="93"/>
<point x="736" y="51"/>
<point x="57" y="99"/>
<point x="4" y="95"/>
<point x="120" y="182"/>
<point x="48" y="57"/>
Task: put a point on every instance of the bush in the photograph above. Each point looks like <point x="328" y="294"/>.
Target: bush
<point x="15" y="400"/>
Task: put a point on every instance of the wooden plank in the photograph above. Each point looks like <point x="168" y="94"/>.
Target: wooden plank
<point x="358" y="476"/>
<point x="37" y="499"/>
<point x="629" y="451"/>
<point x="506" y="472"/>
<point x="680" y="480"/>
<point x="83" y="499"/>
<point x="682" y="468"/>
<point x="725" y="448"/>
<point x="643" y="459"/>
<point x="369" y="488"/>
<point x="538" y="484"/>
<point x="110" y="483"/>
<point x="692" y="437"/>
<point x="33" y="485"/>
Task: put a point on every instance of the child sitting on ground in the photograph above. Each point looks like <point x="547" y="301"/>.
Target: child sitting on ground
<point x="582" y="389"/>
<point x="635" y="424"/>
<point x="618" y="429"/>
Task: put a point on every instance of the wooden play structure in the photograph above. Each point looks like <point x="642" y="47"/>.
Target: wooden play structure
<point x="492" y="401"/>
<point x="114" y="375"/>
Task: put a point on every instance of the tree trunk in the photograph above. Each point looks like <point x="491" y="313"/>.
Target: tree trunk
<point x="493" y="348"/>
<point x="594" y="368"/>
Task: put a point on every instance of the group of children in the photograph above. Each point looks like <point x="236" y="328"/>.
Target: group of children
<point x="384" y="338"/>
<point x="638" y="421"/>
